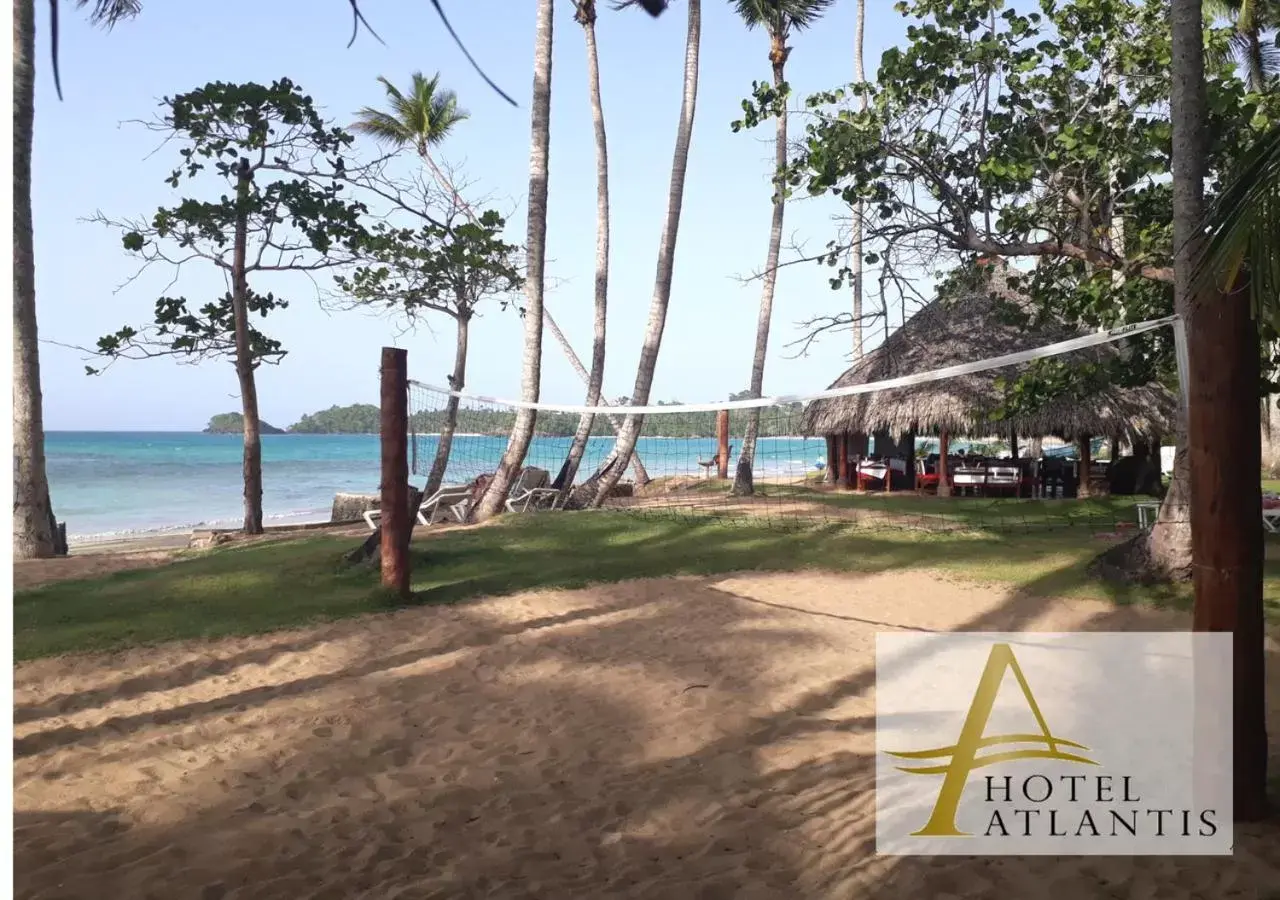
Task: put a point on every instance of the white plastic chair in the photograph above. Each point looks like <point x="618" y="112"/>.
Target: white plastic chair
<point x="530" y="491"/>
<point x="451" y="500"/>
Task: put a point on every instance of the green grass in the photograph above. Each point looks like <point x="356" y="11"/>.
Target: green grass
<point x="257" y="588"/>
<point x="994" y="513"/>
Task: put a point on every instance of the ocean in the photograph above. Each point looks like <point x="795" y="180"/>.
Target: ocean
<point x="111" y="485"/>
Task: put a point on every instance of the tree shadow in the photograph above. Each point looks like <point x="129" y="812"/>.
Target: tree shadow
<point x="662" y="739"/>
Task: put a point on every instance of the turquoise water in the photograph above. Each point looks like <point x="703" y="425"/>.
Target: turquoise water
<point x="109" y="484"/>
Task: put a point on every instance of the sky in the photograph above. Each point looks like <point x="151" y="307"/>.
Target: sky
<point x="90" y="155"/>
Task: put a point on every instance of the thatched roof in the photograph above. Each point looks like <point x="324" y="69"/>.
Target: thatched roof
<point x="978" y="322"/>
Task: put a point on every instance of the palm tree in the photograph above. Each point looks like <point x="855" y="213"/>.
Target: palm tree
<point x="585" y="15"/>
<point x="421" y="118"/>
<point x="855" y="251"/>
<point x="1224" y="451"/>
<point x="1242" y="225"/>
<point x="626" y="443"/>
<point x="536" y="246"/>
<point x="779" y="18"/>
<point x="1252" y="18"/>
<point x="33" y="522"/>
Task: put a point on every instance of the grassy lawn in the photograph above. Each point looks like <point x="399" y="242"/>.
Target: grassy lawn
<point x="991" y="513"/>
<point x="256" y="588"/>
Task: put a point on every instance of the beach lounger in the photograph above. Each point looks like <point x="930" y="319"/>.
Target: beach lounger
<point x="531" y="491"/>
<point x="1271" y="514"/>
<point x="451" y="500"/>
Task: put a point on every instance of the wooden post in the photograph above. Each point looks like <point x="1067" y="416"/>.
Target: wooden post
<point x="722" y="443"/>
<point x="1086" y="463"/>
<point x="842" y="460"/>
<point x="1013" y="443"/>
<point x="395" y="471"/>
<point x="831" y="474"/>
<point x="944" y="447"/>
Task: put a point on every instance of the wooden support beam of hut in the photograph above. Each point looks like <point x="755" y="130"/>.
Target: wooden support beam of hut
<point x="842" y="460"/>
<point x="944" y="447"/>
<point x="830" y="475"/>
<point x="1084" y="489"/>
<point x="909" y="445"/>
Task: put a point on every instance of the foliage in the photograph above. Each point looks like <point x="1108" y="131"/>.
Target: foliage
<point x="448" y="266"/>
<point x="1244" y="231"/>
<point x="781" y="422"/>
<point x="358" y="418"/>
<point x="283" y="164"/>
<point x="1025" y="133"/>
<point x="423" y="117"/>
<point x="233" y="423"/>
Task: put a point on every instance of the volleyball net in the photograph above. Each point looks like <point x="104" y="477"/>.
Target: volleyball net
<point x="780" y="461"/>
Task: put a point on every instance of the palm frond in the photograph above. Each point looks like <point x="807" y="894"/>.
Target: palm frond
<point x="382" y="127"/>
<point x="105" y="13"/>
<point x="422" y="116"/>
<point x="780" y="16"/>
<point x="1241" y="229"/>
<point x="108" y="13"/>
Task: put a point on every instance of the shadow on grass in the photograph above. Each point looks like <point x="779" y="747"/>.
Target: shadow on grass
<point x="255" y="589"/>
<point x="569" y="762"/>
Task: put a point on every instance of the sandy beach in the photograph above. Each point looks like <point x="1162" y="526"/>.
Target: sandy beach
<point x="669" y="738"/>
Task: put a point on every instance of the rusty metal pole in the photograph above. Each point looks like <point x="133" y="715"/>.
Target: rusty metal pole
<point x="722" y="443"/>
<point x="394" y="427"/>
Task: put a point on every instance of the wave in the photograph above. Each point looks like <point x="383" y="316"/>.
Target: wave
<point x="292" y="517"/>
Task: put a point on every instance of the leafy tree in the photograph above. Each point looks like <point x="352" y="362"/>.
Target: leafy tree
<point x="285" y="213"/>
<point x="1252" y="19"/>
<point x="358" y="418"/>
<point x="779" y="19"/>
<point x="999" y="132"/>
<point x="449" y="264"/>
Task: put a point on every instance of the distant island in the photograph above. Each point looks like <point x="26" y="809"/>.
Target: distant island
<point x="358" y="418"/>
<point x="233" y="423"/>
<point x="364" y="418"/>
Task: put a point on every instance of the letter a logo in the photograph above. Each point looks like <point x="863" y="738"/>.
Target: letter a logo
<point x="964" y="752"/>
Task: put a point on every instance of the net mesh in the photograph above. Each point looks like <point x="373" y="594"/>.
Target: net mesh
<point x="682" y="467"/>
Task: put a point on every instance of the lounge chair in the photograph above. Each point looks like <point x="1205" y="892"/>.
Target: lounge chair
<point x="531" y="491"/>
<point x="451" y="500"/>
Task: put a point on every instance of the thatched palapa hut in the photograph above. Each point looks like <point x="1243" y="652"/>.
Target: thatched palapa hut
<point x="985" y="318"/>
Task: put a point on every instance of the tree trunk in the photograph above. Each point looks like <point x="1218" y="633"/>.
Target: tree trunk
<point x="642" y="477"/>
<point x="855" y="250"/>
<point x="586" y="15"/>
<point x="252" y="464"/>
<point x="1222" y="430"/>
<point x="457" y="382"/>
<point x="33" y="536"/>
<point x="536" y="243"/>
<point x="626" y="443"/>
<point x="743" y="481"/>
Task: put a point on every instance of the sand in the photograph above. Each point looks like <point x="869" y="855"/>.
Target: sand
<point x="673" y="738"/>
